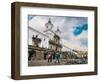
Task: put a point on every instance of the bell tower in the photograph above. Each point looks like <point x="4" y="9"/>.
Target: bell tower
<point x="49" y="24"/>
<point x="49" y="28"/>
<point x="58" y="32"/>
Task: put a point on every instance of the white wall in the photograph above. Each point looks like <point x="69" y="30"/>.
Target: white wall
<point x="43" y="43"/>
<point x="5" y="40"/>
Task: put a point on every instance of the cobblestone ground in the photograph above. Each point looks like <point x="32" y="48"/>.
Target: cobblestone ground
<point x="62" y="62"/>
<point x="45" y="62"/>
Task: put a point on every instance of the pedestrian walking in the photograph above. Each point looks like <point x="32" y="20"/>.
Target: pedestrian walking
<point x="49" y="57"/>
<point x="57" y="57"/>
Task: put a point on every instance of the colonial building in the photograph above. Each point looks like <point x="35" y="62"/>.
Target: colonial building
<point x="54" y="41"/>
<point x="49" y="38"/>
<point x="40" y="42"/>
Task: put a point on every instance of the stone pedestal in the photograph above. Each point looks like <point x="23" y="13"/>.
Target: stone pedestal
<point x="39" y="55"/>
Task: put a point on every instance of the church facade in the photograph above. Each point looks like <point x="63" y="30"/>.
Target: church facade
<point x="48" y="39"/>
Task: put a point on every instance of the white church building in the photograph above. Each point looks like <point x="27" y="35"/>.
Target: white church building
<point x="48" y="38"/>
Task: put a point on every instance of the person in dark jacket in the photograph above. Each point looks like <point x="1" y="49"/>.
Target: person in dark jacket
<point x="57" y="57"/>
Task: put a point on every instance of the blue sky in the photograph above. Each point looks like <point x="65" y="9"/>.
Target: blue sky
<point x="74" y="30"/>
<point x="79" y="29"/>
<point x="30" y="17"/>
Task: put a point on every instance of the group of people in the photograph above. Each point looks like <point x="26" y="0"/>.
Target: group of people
<point x="53" y="56"/>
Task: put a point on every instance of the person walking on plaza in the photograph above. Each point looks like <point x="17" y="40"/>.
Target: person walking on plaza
<point x="49" y="57"/>
<point x="57" y="57"/>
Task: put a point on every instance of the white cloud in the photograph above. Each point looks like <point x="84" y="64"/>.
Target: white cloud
<point x="73" y="45"/>
<point x="38" y="23"/>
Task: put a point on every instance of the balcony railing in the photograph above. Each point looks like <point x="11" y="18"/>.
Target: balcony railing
<point x="55" y="43"/>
